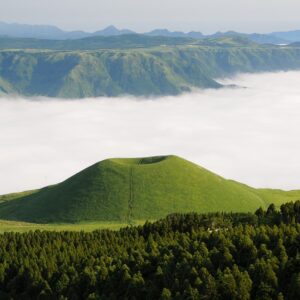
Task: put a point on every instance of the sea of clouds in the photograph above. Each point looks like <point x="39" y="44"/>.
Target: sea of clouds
<point x="250" y="134"/>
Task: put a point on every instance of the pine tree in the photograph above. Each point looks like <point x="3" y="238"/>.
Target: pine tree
<point x="166" y="294"/>
<point x="227" y="285"/>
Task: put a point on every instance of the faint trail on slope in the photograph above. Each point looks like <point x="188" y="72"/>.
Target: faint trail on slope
<point x="130" y="200"/>
<point x="131" y="194"/>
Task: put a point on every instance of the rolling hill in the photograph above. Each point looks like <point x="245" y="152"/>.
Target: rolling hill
<point x="125" y="190"/>
<point x="132" y="64"/>
<point x="125" y="41"/>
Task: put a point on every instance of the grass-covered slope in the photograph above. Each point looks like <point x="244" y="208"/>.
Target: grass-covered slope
<point x="159" y="70"/>
<point x="124" y="190"/>
<point x="93" y="43"/>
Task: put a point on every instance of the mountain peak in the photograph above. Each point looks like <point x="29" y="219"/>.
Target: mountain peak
<point x="112" y="31"/>
<point x="129" y="189"/>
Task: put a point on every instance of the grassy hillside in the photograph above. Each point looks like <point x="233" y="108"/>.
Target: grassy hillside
<point x="125" y="190"/>
<point x="127" y="41"/>
<point x="159" y="70"/>
<point x="94" y="43"/>
<point x="16" y="226"/>
<point x="278" y="196"/>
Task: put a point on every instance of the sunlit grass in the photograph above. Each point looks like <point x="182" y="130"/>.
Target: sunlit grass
<point x="12" y="226"/>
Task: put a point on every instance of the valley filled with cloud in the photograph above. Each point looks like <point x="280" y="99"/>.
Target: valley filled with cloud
<point x="249" y="133"/>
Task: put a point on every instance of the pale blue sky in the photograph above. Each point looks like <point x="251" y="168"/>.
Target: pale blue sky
<point x="206" y="16"/>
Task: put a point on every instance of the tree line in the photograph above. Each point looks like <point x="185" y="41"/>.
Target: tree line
<point x="184" y="256"/>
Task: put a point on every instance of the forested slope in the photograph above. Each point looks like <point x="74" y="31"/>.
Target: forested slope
<point x="213" y="256"/>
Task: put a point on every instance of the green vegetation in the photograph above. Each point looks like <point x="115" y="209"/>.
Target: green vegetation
<point x="15" y="226"/>
<point x="93" y="43"/>
<point x="209" y="256"/>
<point x="131" y="64"/>
<point x="278" y="196"/>
<point x="128" y="41"/>
<point x="129" y="190"/>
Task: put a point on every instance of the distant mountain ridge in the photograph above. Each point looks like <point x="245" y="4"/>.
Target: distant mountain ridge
<point x="53" y="32"/>
<point x="254" y="37"/>
<point x="132" y="64"/>
<point x="38" y="31"/>
<point x="291" y="36"/>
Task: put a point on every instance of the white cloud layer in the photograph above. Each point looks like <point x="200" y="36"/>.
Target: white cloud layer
<point x="248" y="134"/>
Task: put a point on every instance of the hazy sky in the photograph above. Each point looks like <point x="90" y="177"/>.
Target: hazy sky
<point x="251" y="135"/>
<point x="206" y="16"/>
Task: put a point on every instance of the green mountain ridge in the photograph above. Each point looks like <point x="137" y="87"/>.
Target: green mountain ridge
<point x="126" y="41"/>
<point x="127" y="190"/>
<point x="133" y="65"/>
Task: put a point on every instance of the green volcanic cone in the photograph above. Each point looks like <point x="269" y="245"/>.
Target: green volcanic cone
<point x="134" y="189"/>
